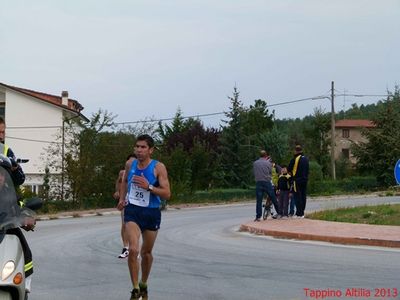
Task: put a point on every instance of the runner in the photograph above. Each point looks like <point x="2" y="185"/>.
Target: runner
<point x="125" y="249"/>
<point x="145" y="182"/>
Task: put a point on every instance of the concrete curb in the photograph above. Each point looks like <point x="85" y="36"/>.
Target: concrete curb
<point x="321" y="238"/>
<point x="77" y="214"/>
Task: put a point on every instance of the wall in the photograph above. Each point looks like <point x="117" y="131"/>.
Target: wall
<point x="25" y="111"/>
<point x="345" y="143"/>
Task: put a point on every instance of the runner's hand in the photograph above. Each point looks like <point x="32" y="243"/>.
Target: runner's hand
<point x="141" y="181"/>
<point x="121" y="204"/>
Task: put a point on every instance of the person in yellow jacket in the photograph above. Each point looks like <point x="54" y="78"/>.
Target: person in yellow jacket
<point x="298" y="168"/>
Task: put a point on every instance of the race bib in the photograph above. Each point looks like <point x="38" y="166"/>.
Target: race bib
<point x="139" y="196"/>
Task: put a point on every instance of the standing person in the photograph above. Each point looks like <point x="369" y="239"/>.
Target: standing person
<point x="298" y="167"/>
<point x="262" y="169"/>
<point x="145" y="182"/>
<point x="125" y="248"/>
<point x="18" y="178"/>
<point x="283" y="191"/>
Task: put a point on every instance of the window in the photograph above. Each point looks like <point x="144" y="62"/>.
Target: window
<point x="2" y="109"/>
<point x="346" y="133"/>
<point x="346" y="153"/>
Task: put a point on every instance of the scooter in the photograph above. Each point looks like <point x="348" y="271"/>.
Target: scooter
<point x="12" y="263"/>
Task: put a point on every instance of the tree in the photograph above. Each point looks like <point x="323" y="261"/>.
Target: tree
<point x="275" y="142"/>
<point x="257" y="119"/>
<point x="92" y="159"/>
<point x="317" y="142"/>
<point x="234" y="150"/>
<point x="189" y="152"/>
<point x="381" y="150"/>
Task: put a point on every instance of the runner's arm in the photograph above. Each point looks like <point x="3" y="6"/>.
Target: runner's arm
<point x="117" y="184"/>
<point x="123" y="187"/>
<point x="163" y="190"/>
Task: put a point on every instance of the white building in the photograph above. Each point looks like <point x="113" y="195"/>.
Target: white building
<point x="33" y="121"/>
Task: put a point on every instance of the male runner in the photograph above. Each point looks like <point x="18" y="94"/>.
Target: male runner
<point x="145" y="183"/>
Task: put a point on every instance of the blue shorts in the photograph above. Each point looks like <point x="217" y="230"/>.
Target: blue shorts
<point x="146" y="218"/>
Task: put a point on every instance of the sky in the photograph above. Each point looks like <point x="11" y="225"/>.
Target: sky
<point x="145" y="59"/>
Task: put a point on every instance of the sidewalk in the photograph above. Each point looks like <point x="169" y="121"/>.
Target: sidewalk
<point x="334" y="232"/>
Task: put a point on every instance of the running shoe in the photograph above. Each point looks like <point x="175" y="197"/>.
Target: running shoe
<point x="143" y="290"/>
<point x="135" y="294"/>
<point x="124" y="253"/>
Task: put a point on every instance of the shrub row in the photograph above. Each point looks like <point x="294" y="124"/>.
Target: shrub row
<point x="315" y="188"/>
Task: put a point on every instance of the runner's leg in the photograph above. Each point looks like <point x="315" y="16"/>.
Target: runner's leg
<point x="133" y="233"/>
<point x="149" y="238"/>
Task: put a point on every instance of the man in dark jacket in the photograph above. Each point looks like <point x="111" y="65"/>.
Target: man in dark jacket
<point x="17" y="174"/>
<point x="298" y="168"/>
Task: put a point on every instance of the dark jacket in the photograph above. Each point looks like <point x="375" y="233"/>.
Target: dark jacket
<point x="284" y="182"/>
<point x="18" y="175"/>
<point x="301" y="176"/>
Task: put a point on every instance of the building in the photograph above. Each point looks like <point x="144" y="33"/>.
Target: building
<point x="348" y="132"/>
<point x="35" y="120"/>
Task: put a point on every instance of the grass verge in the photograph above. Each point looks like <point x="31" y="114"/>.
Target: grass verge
<point x="388" y="214"/>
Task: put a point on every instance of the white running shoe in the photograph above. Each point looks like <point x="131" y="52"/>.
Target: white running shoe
<point x="124" y="253"/>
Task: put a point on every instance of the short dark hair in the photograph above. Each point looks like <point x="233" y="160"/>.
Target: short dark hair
<point x="298" y="148"/>
<point x="2" y="121"/>
<point x="263" y="153"/>
<point x="147" y="138"/>
<point x="130" y="156"/>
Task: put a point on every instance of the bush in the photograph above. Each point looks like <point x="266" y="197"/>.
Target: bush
<point x="218" y="195"/>
<point x="348" y="185"/>
<point x="315" y="176"/>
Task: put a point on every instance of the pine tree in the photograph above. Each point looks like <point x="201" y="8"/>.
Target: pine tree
<point x="234" y="157"/>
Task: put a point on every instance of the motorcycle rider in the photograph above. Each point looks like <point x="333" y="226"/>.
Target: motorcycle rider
<point x="17" y="174"/>
<point x="18" y="178"/>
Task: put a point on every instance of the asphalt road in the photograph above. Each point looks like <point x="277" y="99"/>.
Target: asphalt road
<point x="199" y="254"/>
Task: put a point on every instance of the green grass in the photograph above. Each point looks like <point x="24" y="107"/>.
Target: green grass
<point x="378" y="215"/>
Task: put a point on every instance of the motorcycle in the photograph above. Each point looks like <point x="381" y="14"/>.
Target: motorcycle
<point x="12" y="216"/>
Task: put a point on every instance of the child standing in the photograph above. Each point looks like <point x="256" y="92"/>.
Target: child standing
<point x="283" y="190"/>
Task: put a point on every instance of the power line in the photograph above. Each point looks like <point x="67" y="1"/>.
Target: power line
<point x="360" y="95"/>
<point x="220" y="113"/>
<point x="32" y="140"/>
<point x="169" y="119"/>
<point x="187" y="117"/>
<point x="33" y="127"/>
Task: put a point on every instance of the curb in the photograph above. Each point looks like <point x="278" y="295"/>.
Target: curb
<point x="321" y="238"/>
<point x="76" y="215"/>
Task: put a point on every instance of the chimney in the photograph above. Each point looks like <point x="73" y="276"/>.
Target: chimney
<point x="64" y="98"/>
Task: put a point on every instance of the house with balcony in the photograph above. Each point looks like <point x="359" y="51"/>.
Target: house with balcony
<point x="347" y="132"/>
<point x="34" y="120"/>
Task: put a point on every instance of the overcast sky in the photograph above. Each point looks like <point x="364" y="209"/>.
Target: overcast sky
<point x="141" y="59"/>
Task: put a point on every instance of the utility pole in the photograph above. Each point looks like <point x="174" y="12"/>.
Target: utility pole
<point x="333" y="130"/>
